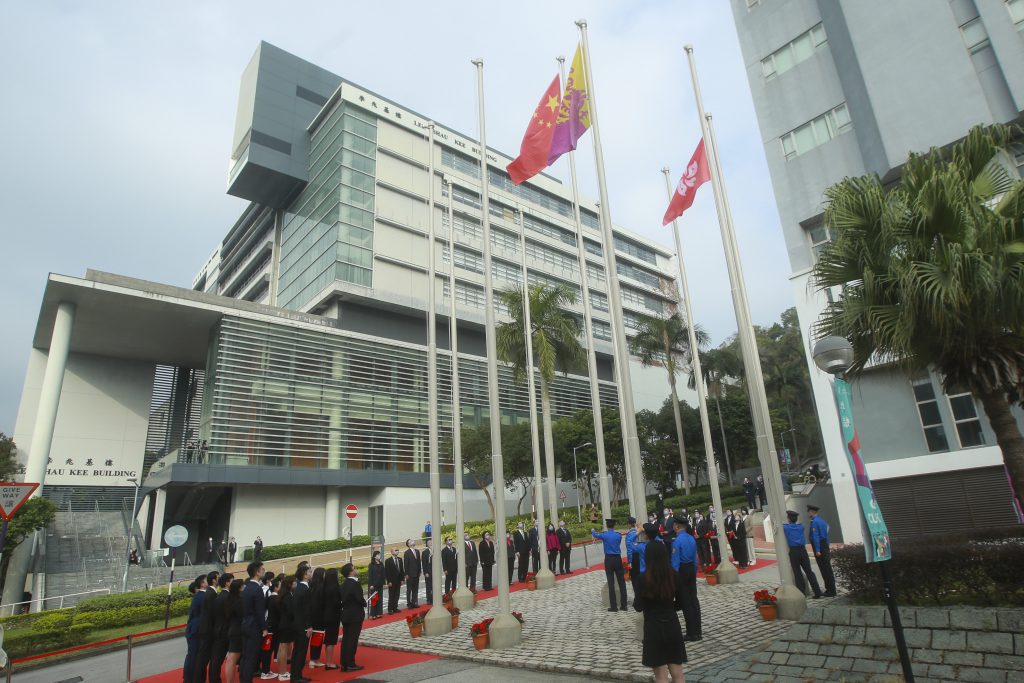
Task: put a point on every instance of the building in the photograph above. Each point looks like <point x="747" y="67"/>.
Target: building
<point x="290" y="380"/>
<point x="850" y="87"/>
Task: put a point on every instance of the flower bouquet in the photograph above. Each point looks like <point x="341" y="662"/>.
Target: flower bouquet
<point x="767" y="604"/>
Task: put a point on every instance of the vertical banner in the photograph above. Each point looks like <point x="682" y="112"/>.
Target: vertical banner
<point x="878" y="549"/>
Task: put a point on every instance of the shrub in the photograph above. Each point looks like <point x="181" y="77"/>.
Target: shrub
<point x="29" y="642"/>
<point x="981" y="568"/>
<point x="276" y="552"/>
<point x="135" y="599"/>
<point x="127" y="616"/>
<point x="53" y="621"/>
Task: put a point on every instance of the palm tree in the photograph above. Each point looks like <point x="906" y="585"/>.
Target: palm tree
<point x="716" y="366"/>
<point x="556" y="347"/>
<point x="666" y="342"/>
<point x="932" y="273"/>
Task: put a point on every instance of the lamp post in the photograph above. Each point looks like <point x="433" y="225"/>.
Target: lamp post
<point x="579" y="512"/>
<point x="131" y="528"/>
<point x="834" y="355"/>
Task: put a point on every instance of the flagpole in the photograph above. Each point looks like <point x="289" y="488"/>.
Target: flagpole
<point x="588" y="328"/>
<point x="630" y="440"/>
<point x="434" y="623"/>
<point x="545" y="577"/>
<point x="505" y="631"/>
<point x="726" y="571"/>
<point x="462" y="598"/>
<point x="792" y="602"/>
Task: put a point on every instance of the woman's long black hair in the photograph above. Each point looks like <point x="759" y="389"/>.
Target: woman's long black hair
<point x="659" y="577"/>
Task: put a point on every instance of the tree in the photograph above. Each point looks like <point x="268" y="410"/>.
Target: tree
<point x="666" y="342"/>
<point x="32" y="516"/>
<point x="516" y="457"/>
<point x="579" y="429"/>
<point x="8" y="464"/>
<point x="717" y="366"/>
<point x="932" y="274"/>
<point x="556" y="347"/>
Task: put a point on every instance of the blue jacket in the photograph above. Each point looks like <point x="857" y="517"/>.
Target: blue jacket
<point x="612" y="541"/>
<point x="254" y="606"/>
<point x="684" y="550"/>
<point x="819" y="533"/>
<point x="195" y="608"/>
<point x="631" y="544"/>
<point x="794" y="535"/>
<point x="641" y="550"/>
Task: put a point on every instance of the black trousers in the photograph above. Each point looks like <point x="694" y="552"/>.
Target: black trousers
<point x="552" y="560"/>
<point x="716" y="551"/>
<point x="691" y="605"/>
<point x="451" y="581"/>
<point x="430" y="588"/>
<point x="203" y="655"/>
<point x="564" y="567"/>
<point x="249" y="664"/>
<point x="824" y="560"/>
<point x="801" y="566"/>
<point x="412" y="591"/>
<point x="298" y="655"/>
<point x="703" y="551"/>
<point x="471" y="576"/>
<point x="524" y="565"/>
<point x="217" y="655"/>
<point x="511" y="567"/>
<point x="487" y="576"/>
<point x="394" y="589"/>
<point x="614" y="572"/>
<point x="535" y="558"/>
<point x="350" y="641"/>
<point x="266" y="656"/>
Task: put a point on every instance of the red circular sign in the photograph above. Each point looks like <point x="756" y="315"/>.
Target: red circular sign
<point x="351" y="511"/>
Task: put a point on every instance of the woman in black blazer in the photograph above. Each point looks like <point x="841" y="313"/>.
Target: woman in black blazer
<point x="375" y="582"/>
<point x="331" y="614"/>
<point x="353" y="611"/>
<point x="282" y="611"/>
<point x="316" y="601"/>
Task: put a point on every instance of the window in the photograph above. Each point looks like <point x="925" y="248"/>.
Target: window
<point x="504" y="241"/>
<point x="460" y="162"/>
<point x="975" y="35"/>
<point x="789" y="55"/>
<point x="1016" y="10"/>
<point x="965" y="417"/>
<point x="467" y="227"/>
<point x="593" y="248"/>
<point x="465" y="293"/>
<point x="467" y="197"/>
<point x="638" y="274"/>
<point x="751" y="4"/>
<point x="601" y="330"/>
<point x="595" y="274"/>
<point x="635" y="250"/>
<point x="820" y="237"/>
<point x="550" y="257"/>
<point x="551" y="231"/>
<point x="506" y="271"/>
<point x="468" y="260"/>
<point x="928" y="411"/>
<point x="816" y="132"/>
<point x="598" y="301"/>
<point x="641" y="300"/>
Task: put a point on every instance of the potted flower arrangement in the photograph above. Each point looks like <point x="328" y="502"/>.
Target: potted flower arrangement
<point x="767" y="604"/>
<point x="531" y="581"/>
<point x="479" y="633"/>
<point x="454" y="611"/>
<point x="415" y="623"/>
<point x="711" y="574"/>
<point x="447" y="598"/>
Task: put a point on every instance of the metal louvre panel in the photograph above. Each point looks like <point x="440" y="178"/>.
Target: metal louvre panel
<point x="946" y="501"/>
<point x="282" y="396"/>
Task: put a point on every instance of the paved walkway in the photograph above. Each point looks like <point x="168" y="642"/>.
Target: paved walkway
<point x="567" y="630"/>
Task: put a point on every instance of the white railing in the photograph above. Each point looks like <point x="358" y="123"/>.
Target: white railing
<point x="42" y="601"/>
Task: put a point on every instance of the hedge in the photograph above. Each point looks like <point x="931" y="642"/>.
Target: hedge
<point x="980" y="568"/>
<point x="134" y="599"/>
<point x="275" y="552"/>
<point x="25" y="642"/>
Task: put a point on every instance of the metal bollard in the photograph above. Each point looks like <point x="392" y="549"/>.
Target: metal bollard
<point x="10" y="671"/>
<point x="586" y="562"/>
<point x="128" y="674"/>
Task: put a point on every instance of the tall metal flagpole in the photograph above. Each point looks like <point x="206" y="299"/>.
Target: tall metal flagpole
<point x="437" y="621"/>
<point x="588" y="328"/>
<point x="462" y="598"/>
<point x="630" y="440"/>
<point x="505" y="631"/>
<point x="792" y="602"/>
<point x="726" y="571"/>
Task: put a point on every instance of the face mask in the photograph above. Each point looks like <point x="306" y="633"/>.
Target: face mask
<point x="561" y="524"/>
<point x="487" y="537"/>
<point x="519" y="526"/>
<point x="466" y="537"/>
<point x="449" y="544"/>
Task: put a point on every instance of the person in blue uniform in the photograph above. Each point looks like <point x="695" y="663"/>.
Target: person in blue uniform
<point x="613" y="569"/>
<point x="632" y="543"/>
<point x="684" y="562"/>
<point x="822" y="554"/>
<point x="794" y="532"/>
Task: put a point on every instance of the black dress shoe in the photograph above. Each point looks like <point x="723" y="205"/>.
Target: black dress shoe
<point x="613" y="609"/>
<point x="831" y="594"/>
<point x="354" y="667"/>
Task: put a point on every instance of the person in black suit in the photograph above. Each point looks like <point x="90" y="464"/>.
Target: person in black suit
<point x="413" y="569"/>
<point x="450" y="564"/>
<point x="564" y="548"/>
<point x="427" y="570"/>
<point x="486" y="551"/>
<point x="254" y="621"/>
<point x="375" y="585"/>
<point x="205" y="631"/>
<point x="353" y="611"/>
<point x="331" y="615"/>
<point x="510" y="554"/>
<point x="522" y="550"/>
<point x="472" y="558"/>
<point x="284" y="623"/>
<point x="220" y="628"/>
<point x="232" y="549"/>
<point x="210" y="550"/>
<point x="535" y="547"/>
<point x="195" y="611"/>
<point x="257" y="549"/>
<point x="394" y="573"/>
<point x="302" y="623"/>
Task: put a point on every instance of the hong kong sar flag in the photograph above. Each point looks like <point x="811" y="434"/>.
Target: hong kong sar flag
<point x="696" y="174"/>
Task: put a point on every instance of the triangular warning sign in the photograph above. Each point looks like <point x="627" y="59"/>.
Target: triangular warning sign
<point x="12" y="496"/>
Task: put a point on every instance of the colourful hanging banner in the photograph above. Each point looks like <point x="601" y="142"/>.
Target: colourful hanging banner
<point x="876" y="535"/>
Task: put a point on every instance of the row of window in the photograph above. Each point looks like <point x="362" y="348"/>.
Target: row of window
<point x="792" y="53"/>
<point x="816" y="132"/>
<point x="638" y="274"/>
<point x="962" y="407"/>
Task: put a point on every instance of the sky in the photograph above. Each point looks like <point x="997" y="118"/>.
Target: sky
<point x="118" y="117"/>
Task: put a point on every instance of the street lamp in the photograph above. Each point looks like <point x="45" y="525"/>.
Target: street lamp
<point x="834" y="355"/>
<point x="131" y="528"/>
<point x="579" y="513"/>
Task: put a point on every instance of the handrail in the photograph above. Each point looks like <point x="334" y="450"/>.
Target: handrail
<point x="42" y="601"/>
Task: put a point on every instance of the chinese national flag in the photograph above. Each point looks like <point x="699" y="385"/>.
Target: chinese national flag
<point x="533" y="153"/>
<point x="696" y="174"/>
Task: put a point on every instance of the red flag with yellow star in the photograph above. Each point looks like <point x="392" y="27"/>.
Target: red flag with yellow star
<point x="533" y="153"/>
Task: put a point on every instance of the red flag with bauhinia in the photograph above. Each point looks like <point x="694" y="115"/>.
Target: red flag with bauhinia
<point x="696" y="174"/>
<point x="533" y="153"/>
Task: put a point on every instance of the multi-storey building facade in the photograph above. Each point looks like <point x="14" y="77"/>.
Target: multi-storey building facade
<point x="850" y="87"/>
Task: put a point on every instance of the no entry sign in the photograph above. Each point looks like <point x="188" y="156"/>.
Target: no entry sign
<point x="351" y="511"/>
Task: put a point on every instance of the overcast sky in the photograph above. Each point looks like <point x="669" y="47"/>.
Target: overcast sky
<point x="118" y="117"/>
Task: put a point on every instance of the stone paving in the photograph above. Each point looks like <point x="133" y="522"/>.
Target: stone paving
<point x="567" y="631"/>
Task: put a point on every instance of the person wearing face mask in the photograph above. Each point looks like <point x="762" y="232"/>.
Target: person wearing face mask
<point x="564" y="548"/>
<point x="412" y="574"/>
<point x="471" y="561"/>
<point x="551" y="539"/>
<point x="486" y="559"/>
<point x="450" y="564"/>
<point x="427" y="570"/>
<point x="522" y="545"/>
<point x="394" y="572"/>
<point x="535" y="547"/>
<point x="510" y="552"/>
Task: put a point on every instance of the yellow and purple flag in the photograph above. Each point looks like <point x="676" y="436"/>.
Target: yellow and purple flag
<point x="573" y="117"/>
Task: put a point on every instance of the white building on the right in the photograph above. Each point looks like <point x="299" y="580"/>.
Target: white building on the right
<point x="850" y="87"/>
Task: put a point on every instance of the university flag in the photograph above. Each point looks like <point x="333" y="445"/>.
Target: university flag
<point x="696" y="174"/>
<point x="533" y="153"/>
<point x="573" y="112"/>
